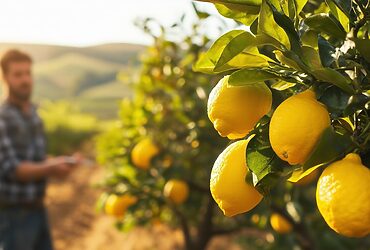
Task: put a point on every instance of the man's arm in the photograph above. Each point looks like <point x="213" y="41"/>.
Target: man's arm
<point x="32" y="171"/>
<point x="12" y="167"/>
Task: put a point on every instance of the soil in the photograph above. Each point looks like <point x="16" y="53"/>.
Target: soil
<point x="77" y="226"/>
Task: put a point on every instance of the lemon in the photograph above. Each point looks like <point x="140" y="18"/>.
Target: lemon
<point x="143" y="152"/>
<point x="280" y="224"/>
<point x="228" y="187"/>
<point x="343" y="196"/>
<point x="117" y="205"/>
<point x="234" y="111"/>
<point x="296" y="126"/>
<point x="176" y="190"/>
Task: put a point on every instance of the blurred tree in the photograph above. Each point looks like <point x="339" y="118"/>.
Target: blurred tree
<point x="169" y="109"/>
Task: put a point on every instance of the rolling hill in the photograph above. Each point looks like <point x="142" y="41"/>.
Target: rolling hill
<point x="85" y="76"/>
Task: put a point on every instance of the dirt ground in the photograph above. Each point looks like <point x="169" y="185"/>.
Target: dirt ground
<point x="76" y="225"/>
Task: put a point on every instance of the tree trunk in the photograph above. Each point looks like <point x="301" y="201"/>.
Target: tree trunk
<point x="205" y="228"/>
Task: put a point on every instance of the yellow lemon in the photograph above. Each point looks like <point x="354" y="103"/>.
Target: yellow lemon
<point x="343" y="196"/>
<point x="234" y="111"/>
<point x="228" y="187"/>
<point x="176" y="190"/>
<point x="143" y="152"/>
<point x="280" y="224"/>
<point x="117" y="205"/>
<point x="297" y="125"/>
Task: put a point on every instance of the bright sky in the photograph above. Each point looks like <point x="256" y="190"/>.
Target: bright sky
<point x="85" y="22"/>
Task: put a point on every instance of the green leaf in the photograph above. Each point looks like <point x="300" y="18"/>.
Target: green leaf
<point x="244" y="60"/>
<point x="300" y="4"/>
<point x="335" y="100"/>
<point x="288" y="26"/>
<point x="363" y="46"/>
<point x="233" y="50"/>
<point x="345" y="6"/>
<point x="310" y="38"/>
<point x="239" y="3"/>
<point x="238" y="43"/>
<point x="339" y="15"/>
<point x="326" y="24"/>
<point x="250" y="76"/>
<point x="282" y="85"/>
<point x="290" y="59"/>
<point x="326" y="51"/>
<point x="331" y="146"/>
<point x="245" y="14"/>
<point x="268" y="26"/>
<point x="200" y="14"/>
<point x="311" y="57"/>
<point x="264" y="39"/>
<point x="334" y="77"/>
<point x="266" y="166"/>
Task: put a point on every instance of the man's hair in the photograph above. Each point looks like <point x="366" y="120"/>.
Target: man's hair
<point x="11" y="56"/>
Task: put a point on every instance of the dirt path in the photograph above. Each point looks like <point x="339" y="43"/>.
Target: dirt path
<point x="76" y="225"/>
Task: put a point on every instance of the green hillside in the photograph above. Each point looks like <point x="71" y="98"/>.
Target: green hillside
<point x="84" y="76"/>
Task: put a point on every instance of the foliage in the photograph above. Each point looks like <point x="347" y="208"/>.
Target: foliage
<point x="66" y="128"/>
<point x="292" y="46"/>
<point x="169" y="106"/>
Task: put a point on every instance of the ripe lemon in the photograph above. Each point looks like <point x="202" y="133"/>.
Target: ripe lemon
<point x="176" y="190"/>
<point x="234" y="111"/>
<point x="280" y="224"/>
<point x="228" y="187"/>
<point x="143" y="152"/>
<point x="297" y="125"/>
<point x="117" y="205"/>
<point x="343" y="196"/>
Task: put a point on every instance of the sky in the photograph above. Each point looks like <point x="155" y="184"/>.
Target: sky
<point x="85" y="22"/>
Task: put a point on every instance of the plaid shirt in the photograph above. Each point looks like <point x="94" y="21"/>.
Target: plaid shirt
<point x="21" y="139"/>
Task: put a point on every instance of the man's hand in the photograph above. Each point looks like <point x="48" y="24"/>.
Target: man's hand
<point x="59" y="167"/>
<point x="62" y="166"/>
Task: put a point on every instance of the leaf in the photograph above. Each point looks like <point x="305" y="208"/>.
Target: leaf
<point x="268" y="26"/>
<point x="332" y="76"/>
<point x="282" y="85"/>
<point x="245" y="14"/>
<point x="339" y="15"/>
<point x="200" y="14"/>
<point x="330" y="147"/>
<point x="326" y="51"/>
<point x="239" y="3"/>
<point x="326" y="24"/>
<point x="288" y="26"/>
<point x="335" y="100"/>
<point x="310" y="38"/>
<point x="266" y="166"/>
<point x="238" y="43"/>
<point x="233" y="50"/>
<point x="345" y="6"/>
<point x="311" y="57"/>
<point x="250" y="76"/>
<point x="263" y="39"/>
<point x="363" y="46"/>
<point x="290" y="59"/>
<point x="300" y="4"/>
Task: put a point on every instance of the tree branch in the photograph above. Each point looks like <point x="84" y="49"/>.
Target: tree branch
<point x="184" y="226"/>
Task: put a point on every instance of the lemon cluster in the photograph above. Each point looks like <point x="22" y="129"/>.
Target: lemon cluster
<point x="343" y="189"/>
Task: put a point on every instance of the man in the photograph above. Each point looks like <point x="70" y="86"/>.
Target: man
<point x="24" y="168"/>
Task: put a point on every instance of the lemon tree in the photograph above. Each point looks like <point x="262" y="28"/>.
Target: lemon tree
<point x="159" y="156"/>
<point x="296" y="84"/>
